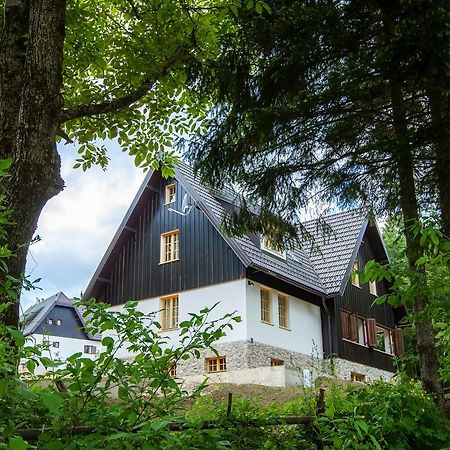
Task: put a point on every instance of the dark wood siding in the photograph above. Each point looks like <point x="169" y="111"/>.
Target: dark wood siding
<point x="360" y="301"/>
<point x="70" y="323"/>
<point x="135" y="272"/>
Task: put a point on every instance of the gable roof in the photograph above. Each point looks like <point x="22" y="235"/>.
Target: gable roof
<point x="35" y="315"/>
<point x="322" y="269"/>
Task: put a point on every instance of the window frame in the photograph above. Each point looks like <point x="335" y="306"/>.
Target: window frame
<point x="266" y="247"/>
<point x="373" y="288"/>
<point x="91" y="349"/>
<point x="355" y="276"/>
<point x="275" y="362"/>
<point x="172" y="370"/>
<point x="284" y="326"/>
<point x="357" y="377"/>
<point x="347" y="334"/>
<point x="55" y="344"/>
<point x="168" y="194"/>
<point x="219" y="362"/>
<point x="174" y="254"/>
<point x="269" y="305"/>
<point x="171" y="299"/>
<point x="389" y="336"/>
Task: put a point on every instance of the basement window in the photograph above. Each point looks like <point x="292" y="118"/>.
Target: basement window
<point x="170" y="246"/>
<point x="170" y="193"/>
<point x="173" y="370"/>
<point x="217" y="364"/>
<point x="276" y="362"/>
<point x="359" y="377"/>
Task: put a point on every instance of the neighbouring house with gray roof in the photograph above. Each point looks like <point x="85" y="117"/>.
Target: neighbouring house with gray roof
<point x="59" y="324"/>
<point x="304" y="311"/>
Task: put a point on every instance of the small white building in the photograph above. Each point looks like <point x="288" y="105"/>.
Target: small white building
<point x="60" y="324"/>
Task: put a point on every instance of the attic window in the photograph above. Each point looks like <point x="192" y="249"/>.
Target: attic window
<point x="170" y="249"/>
<point x="373" y="287"/>
<point x="170" y="193"/>
<point x="355" y="276"/>
<point x="269" y="246"/>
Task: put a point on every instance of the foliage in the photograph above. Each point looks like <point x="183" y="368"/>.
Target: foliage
<point x="382" y="416"/>
<point x="406" y="283"/>
<point x="82" y="392"/>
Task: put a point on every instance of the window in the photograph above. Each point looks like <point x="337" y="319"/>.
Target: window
<point x="355" y="376"/>
<point x="282" y="311"/>
<point x="384" y="343"/>
<point x="90" y="349"/>
<point x="218" y="364"/>
<point x="355" y="276"/>
<point x="170" y="193"/>
<point x="276" y="362"/>
<point x="55" y="344"/>
<point x="169" y="313"/>
<point x="353" y="328"/>
<point x="265" y="305"/>
<point x="173" y="370"/>
<point x="56" y="322"/>
<point x="373" y="287"/>
<point x="50" y="321"/>
<point x="170" y="246"/>
<point x="269" y="246"/>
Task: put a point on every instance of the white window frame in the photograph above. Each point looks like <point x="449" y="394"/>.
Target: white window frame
<point x="269" y="249"/>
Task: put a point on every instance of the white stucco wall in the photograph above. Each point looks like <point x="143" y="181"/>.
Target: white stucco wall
<point x="230" y="295"/>
<point x="67" y="347"/>
<point x="304" y="333"/>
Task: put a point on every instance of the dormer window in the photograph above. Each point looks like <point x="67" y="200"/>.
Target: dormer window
<point x="269" y="246"/>
<point x="171" y="191"/>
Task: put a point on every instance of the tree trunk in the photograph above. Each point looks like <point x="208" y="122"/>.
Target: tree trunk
<point x="426" y="348"/>
<point x="30" y="105"/>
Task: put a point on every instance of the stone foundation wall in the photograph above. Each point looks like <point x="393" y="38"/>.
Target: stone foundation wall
<point x="241" y="355"/>
<point x="249" y="355"/>
<point x="344" y="368"/>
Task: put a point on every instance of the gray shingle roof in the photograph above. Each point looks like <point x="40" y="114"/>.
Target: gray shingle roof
<point x="323" y="267"/>
<point x="34" y="315"/>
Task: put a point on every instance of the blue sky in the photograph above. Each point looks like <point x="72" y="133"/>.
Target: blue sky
<point x="77" y="225"/>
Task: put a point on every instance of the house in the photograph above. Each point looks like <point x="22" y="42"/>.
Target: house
<point x="60" y="325"/>
<point x="303" y="313"/>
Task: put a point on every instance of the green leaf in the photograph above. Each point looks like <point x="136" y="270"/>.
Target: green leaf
<point x="17" y="443"/>
<point x="53" y="402"/>
<point x="18" y="336"/>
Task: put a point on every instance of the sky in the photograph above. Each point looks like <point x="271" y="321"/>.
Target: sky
<point x="77" y="225"/>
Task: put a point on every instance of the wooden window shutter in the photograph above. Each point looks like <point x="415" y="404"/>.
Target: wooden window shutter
<point x="399" y="346"/>
<point x="371" y="332"/>
<point x="354" y="327"/>
<point x="345" y="322"/>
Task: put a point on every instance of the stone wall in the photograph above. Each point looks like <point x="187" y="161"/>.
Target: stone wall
<point x="241" y="355"/>
<point x="342" y="369"/>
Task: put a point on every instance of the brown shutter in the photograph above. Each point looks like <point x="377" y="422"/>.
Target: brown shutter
<point x="345" y="325"/>
<point x="399" y="346"/>
<point x="371" y="332"/>
<point x="354" y="328"/>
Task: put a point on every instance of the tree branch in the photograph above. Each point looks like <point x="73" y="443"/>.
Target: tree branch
<point x="95" y="109"/>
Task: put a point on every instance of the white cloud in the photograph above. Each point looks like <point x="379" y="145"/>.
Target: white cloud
<point x="77" y="225"/>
